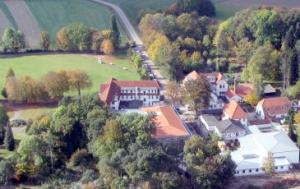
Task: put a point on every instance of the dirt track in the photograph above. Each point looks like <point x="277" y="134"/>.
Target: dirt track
<point x="4" y="22"/>
<point x="25" y="21"/>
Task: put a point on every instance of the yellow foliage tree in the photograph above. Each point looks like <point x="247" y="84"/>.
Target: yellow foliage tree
<point x="158" y="45"/>
<point x="251" y="99"/>
<point x="107" y="47"/>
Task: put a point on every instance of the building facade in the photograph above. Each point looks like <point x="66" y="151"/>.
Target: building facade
<point x="142" y="93"/>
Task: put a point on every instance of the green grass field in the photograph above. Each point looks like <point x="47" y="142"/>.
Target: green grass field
<point x="38" y="65"/>
<point x="6" y="11"/>
<point x="54" y="14"/>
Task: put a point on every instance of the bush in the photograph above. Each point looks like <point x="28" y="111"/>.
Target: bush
<point x="6" y="172"/>
<point x="80" y="158"/>
<point x="88" y="176"/>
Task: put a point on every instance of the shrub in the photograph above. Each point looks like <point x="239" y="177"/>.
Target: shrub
<point x="88" y="176"/>
<point x="6" y="172"/>
<point x="80" y="157"/>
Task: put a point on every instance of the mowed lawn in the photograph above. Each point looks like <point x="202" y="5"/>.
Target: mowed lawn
<point x="38" y="65"/>
<point x="52" y="15"/>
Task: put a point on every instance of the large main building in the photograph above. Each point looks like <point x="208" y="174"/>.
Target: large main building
<point x="144" y="93"/>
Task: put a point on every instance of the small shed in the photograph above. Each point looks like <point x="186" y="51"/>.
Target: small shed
<point x="269" y="89"/>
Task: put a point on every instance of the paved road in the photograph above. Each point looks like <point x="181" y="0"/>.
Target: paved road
<point x="131" y="32"/>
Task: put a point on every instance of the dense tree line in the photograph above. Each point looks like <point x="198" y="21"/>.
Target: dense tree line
<point x="267" y="40"/>
<point x="52" y="86"/>
<point x="75" y="37"/>
<point x="179" y="44"/>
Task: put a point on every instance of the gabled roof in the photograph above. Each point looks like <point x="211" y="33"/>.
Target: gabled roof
<point x="229" y="126"/>
<point x="167" y="122"/>
<point x="276" y="142"/>
<point x="269" y="89"/>
<point x="275" y="106"/>
<point x="108" y="91"/>
<point x="113" y="87"/>
<point x="234" y="111"/>
<point x="195" y="75"/>
<point x="222" y="125"/>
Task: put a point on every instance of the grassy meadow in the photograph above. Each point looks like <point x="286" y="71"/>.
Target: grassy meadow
<point x="38" y="65"/>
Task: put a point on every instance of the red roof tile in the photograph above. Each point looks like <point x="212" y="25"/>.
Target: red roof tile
<point x="113" y="87"/>
<point x="234" y="111"/>
<point x="275" y="106"/>
<point x="241" y="90"/>
<point x="167" y="122"/>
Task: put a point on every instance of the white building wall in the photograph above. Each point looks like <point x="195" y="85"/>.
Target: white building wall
<point x="292" y="156"/>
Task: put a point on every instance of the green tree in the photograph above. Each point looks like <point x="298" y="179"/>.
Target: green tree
<point x="115" y="32"/>
<point x="208" y="168"/>
<point x="4" y="120"/>
<point x="6" y="172"/>
<point x="9" y="141"/>
<point x="269" y="165"/>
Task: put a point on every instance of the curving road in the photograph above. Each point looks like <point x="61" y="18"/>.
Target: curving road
<point x="132" y="34"/>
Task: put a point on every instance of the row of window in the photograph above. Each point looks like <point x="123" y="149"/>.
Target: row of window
<point x="134" y="91"/>
<point x="134" y="97"/>
<point x="255" y="170"/>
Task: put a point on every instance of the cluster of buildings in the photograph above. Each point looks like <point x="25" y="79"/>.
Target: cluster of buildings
<point x="255" y="134"/>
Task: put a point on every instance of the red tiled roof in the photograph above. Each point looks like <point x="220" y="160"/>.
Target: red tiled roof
<point x="113" y="87"/>
<point x="234" y="111"/>
<point x="167" y="122"/>
<point x="276" y="105"/>
<point x="108" y="91"/>
<point x="241" y="90"/>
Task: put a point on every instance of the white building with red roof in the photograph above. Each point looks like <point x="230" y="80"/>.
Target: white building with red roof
<point x="217" y="81"/>
<point x="275" y="108"/>
<point x="234" y="111"/>
<point x="145" y="92"/>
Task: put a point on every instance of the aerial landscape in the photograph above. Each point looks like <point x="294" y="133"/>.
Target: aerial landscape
<point x="149" y="94"/>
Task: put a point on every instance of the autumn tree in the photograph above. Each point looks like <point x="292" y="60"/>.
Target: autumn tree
<point x="56" y="84"/>
<point x="78" y="80"/>
<point x="9" y="141"/>
<point x="173" y="91"/>
<point x="45" y="40"/>
<point x="197" y="94"/>
<point x="251" y="99"/>
<point x="107" y="47"/>
<point x="10" y="74"/>
<point x="269" y="165"/>
<point x="12" y="87"/>
<point x="62" y="40"/>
